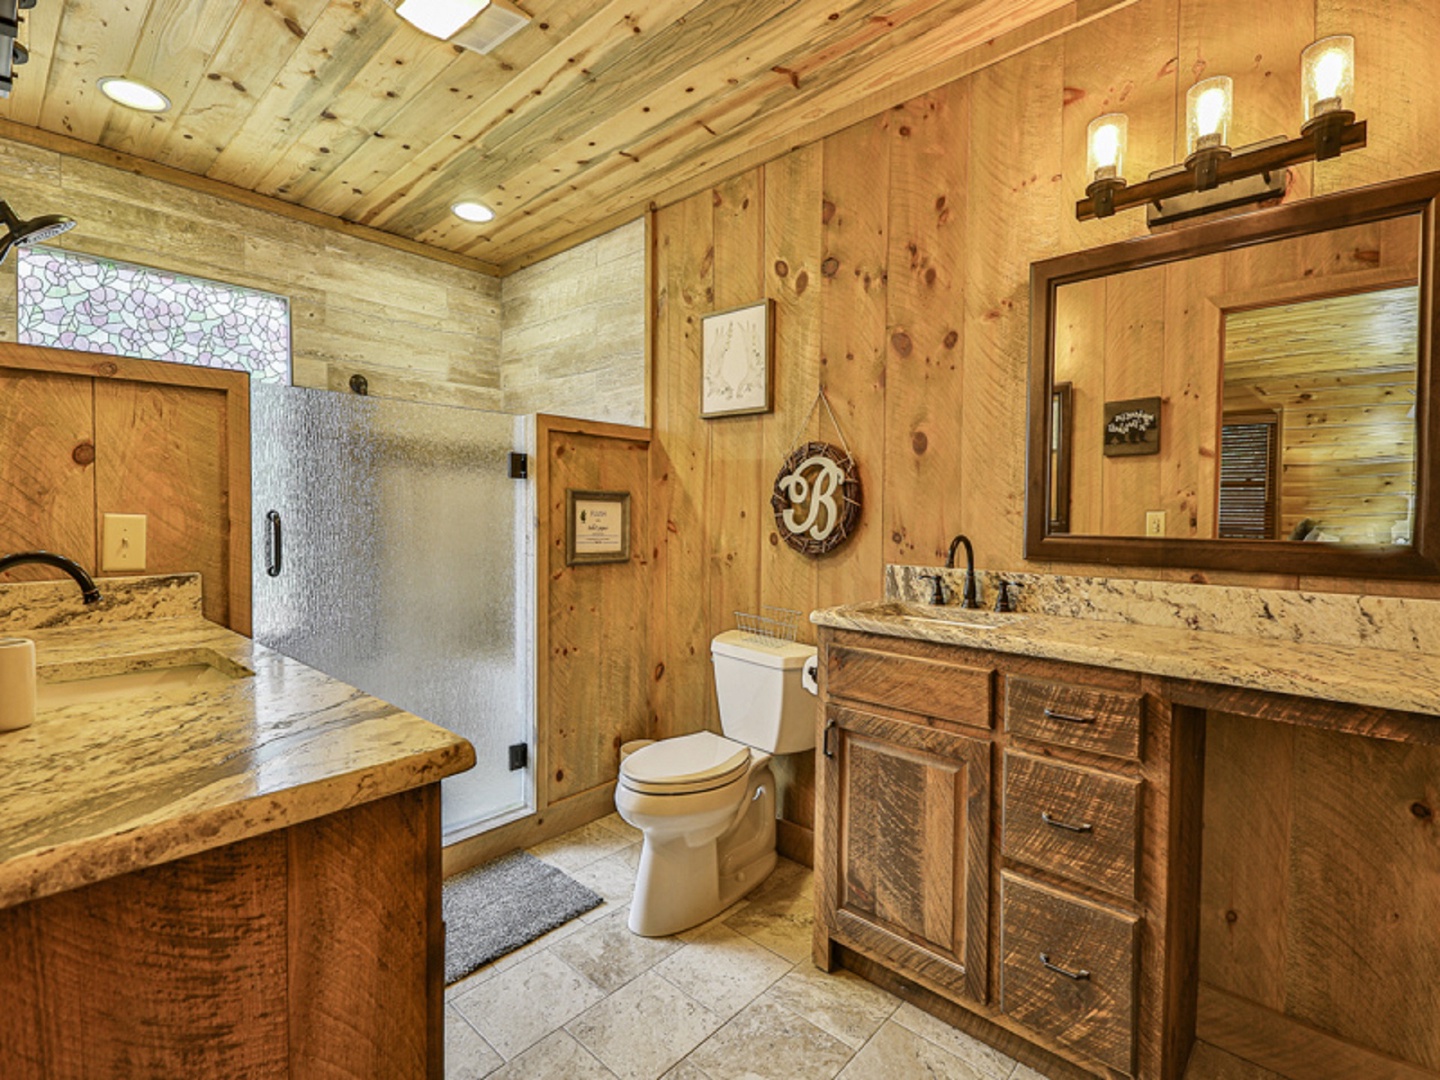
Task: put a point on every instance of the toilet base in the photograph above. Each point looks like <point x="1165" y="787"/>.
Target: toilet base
<point x="681" y="883"/>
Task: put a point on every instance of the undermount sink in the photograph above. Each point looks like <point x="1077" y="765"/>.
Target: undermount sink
<point x="134" y="676"/>
<point x="963" y="618"/>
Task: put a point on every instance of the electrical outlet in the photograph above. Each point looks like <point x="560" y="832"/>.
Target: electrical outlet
<point x="1154" y="522"/>
<point x="123" y="547"/>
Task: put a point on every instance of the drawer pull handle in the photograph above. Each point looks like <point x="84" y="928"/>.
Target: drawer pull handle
<point x="825" y="739"/>
<point x="1056" y="823"/>
<point x="1051" y="714"/>
<point x="1078" y="976"/>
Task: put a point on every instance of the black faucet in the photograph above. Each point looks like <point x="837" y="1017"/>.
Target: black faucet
<point x="49" y="558"/>
<point x="970" y="595"/>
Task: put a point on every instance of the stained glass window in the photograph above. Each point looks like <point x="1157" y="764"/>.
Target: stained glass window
<point x="73" y="301"/>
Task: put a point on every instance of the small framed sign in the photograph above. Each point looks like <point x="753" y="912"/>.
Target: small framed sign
<point x="597" y="527"/>
<point x="738" y="350"/>
<point x="1132" y="427"/>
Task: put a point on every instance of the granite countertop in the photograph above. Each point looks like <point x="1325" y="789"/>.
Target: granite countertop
<point x="1382" y="678"/>
<point x="93" y="790"/>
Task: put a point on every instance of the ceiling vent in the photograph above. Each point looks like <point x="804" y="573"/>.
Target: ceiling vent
<point x="477" y="25"/>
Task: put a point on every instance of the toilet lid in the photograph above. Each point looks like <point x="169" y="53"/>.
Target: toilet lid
<point x="686" y="764"/>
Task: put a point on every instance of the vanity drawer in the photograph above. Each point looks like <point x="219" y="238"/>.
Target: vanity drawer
<point x="1085" y="998"/>
<point x="1086" y="717"/>
<point x="1078" y="823"/>
<point x="912" y="684"/>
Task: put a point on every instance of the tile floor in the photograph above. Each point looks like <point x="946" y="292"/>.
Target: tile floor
<point x="734" y="999"/>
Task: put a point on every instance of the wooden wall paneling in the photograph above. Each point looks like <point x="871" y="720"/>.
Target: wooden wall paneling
<point x="689" y="688"/>
<point x="922" y="471"/>
<point x="1080" y="360"/>
<point x="740" y="477"/>
<point x="1192" y="380"/>
<point x="161" y="451"/>
<point x="793" y="244"/>
<point x="47" y="475"/>
<point x="853" y="294"/>
<point x="180" y="969"/>
<point x="1134" y="368"/>
<point x="362" y="927"/>
<point x="594" y="677"/>
<point x="1391" y="42"/>
<point x="1015" y="160"/>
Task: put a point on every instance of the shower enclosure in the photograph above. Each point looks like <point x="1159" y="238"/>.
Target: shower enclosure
<point x="393" y="551"/>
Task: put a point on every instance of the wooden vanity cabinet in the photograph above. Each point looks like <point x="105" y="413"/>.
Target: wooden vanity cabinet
<point x="996" y="830"/>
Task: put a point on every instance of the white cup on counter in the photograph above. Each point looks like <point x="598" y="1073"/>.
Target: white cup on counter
<point x="17" y="683"/>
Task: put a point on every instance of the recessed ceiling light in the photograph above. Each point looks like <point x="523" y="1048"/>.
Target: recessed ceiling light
<point x="473" y="211"/>
<point x="133" y="95"/>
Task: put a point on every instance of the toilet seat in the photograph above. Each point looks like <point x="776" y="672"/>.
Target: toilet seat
<point x="686" y="765"/>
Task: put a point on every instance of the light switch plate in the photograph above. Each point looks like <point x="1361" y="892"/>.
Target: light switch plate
<point x="1154" y="522"/>
<point x="123" y="546"/>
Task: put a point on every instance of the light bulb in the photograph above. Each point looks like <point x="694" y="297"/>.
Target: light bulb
<point x="475" y="212"/>
<point x="1208" y="105"/>
<point x="1327" y="76"/>
<point x="1107" y="137"/>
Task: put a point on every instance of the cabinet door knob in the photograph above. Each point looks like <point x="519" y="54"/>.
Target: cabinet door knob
<point x="1056" y="823"/>
<point x="1078" y="976"/>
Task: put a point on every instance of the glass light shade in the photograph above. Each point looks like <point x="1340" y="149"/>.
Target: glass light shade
<point x="132" y="94"/>
<point x="1208" y="107"/>
<point x="473" y="211"/>
<point x="1327" y="76"/>
<point x="1106" y="138"/>
<point x="440" y="18"/>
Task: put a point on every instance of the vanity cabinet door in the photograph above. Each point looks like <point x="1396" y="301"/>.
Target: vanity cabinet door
<point x="907" y="817"/>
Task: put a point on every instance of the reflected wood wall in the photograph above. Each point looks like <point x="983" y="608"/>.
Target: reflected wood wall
<point x="897" y="252"/>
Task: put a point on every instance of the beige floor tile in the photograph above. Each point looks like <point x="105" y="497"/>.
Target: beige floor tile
<point x="609" y="955"/>
<point x="723" y="970"/>
<point x="540" y="944"/>
<point x="613" y="878"/>
<point x="467" y="1055"/>
<point x="768" y="1040"/>
<point x="710" y="924"/>
<point x="989" y="1061"/>
<point x="618" y="825"/>
<point x="896" y="1052"/>
<point x="643" y="1028"/>
<point x="780" y="914"/>
<point x="469" y="982"/>
<point x="1024" y="1072"/>
<point x="520" y="1006"/>
<point x="843" y="1004"/>
<point x="580" y="847"/>
<point x="686" y="1070"/>
<point x="556" y="1057"/>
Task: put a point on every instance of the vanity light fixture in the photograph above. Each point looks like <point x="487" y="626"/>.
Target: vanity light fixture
<point x="133" y="94"/>
<point x="475" y="212"/>
<point x="1327" y="70"/>
<point x="1106" y="140"/>
<point x="477" y="25"/>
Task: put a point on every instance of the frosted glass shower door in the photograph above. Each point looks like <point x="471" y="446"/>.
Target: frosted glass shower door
<point x="404" y="570"/>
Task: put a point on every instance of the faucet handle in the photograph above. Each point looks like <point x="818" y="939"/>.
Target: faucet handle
<point x="937" y="595"/>
<point x="1003" y="600"/>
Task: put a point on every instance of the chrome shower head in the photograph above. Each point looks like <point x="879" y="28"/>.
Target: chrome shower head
<point x="19" y="233"/>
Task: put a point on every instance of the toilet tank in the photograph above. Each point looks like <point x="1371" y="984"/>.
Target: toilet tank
<point x="762" y="701"/>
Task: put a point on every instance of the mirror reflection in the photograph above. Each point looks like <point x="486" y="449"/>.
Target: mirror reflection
<point x="1267" y="392"/>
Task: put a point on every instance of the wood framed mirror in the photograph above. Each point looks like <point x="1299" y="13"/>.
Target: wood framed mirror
<point x="1291" y="353"/>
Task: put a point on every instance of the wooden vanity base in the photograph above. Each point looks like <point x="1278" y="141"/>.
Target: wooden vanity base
<point x="312" y="951"/>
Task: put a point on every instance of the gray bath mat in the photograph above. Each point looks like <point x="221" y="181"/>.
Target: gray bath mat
<point x="494" y="909"/>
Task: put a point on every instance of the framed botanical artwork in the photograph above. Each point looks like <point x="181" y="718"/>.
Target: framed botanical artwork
<point x="738" y="360"/>
<point x="597" y="527"/>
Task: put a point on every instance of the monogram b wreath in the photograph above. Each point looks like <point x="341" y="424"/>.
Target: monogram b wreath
<point x="817" y="494"/>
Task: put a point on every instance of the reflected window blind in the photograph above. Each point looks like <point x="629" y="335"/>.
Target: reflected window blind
<point x="1248" y="496"/>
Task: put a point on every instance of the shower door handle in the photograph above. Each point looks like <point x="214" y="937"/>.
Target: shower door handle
<point x="274" y="539"/>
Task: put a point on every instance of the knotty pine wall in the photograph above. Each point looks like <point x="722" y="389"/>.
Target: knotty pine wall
<point x="415" y="327"/>
<point x="897" y="253"/>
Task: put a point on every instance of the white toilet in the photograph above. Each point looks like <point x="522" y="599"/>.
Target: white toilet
<point x="706" y="804"/>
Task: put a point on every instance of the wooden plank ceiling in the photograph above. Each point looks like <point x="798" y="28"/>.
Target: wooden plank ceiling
<point x="576" y="123"/>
